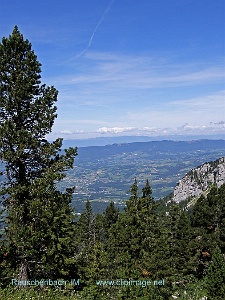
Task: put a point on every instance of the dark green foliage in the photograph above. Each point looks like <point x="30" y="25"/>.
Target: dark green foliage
<point x="221" y="216"/>
<point x="201" y="215"/>
<point x="208" y="228"/>
<point x="90" y="256"/>
<point x="111" y="215"/>
<point x="215" y="277"/>
<point x="133" y="241"/>
<point x="39" y="223"/>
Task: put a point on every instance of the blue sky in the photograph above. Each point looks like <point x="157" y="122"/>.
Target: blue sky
<point x="137" y="67"/>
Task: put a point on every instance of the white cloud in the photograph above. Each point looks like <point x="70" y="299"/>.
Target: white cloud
<point x="214" y="101"/>
<point x="115" y="129"/>
<point x="188" y="129"/>
<point x="66" y="132"/>
<point x="141" y="72"/>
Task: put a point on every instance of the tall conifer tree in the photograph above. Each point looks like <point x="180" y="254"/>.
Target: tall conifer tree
<point x="216" y="276"/>
<point x="39" y="226"/>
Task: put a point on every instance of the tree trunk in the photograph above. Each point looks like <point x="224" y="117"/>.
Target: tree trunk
<point x="23" y="271"/>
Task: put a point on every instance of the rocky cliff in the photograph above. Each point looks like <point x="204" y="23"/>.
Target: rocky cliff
<point x="200" y="179"/>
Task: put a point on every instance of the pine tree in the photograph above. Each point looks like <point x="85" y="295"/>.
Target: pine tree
<point x="216" y="276"/>
<point x="208" y="221"/>
<point x="85" y="226"/>
<point x="221" y="218"/>
<point x="111" y="215"/>
<point x="40" y="221"/>
<point x="133" y="243"/>
<point x="133" y="238"/>
<point x="90" y="256"/>
<point x="133" y="195"/>
<point x="147" y="191"/>
<point x="177" y="234"/>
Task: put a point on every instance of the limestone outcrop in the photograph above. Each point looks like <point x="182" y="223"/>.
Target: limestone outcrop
<point x="200" y="179"/>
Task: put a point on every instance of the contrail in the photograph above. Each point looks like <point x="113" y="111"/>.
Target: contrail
<point x="96" y="28"/>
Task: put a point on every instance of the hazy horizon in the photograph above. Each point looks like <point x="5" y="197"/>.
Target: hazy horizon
<point x="109" y="140"/>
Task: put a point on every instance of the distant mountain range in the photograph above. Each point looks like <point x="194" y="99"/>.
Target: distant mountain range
<point x="153" y="148"/>
<point x="103" y="141"/>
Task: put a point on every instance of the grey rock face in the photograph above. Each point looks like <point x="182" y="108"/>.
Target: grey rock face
<point x="200" y="179"/>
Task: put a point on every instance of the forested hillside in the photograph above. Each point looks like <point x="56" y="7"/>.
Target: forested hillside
<point x="150" y="250"/>
<point x="143" y="252"/>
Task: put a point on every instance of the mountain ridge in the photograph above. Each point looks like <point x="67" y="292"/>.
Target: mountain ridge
<point x="199" y="180"/>
<point x="110" y="140"/>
